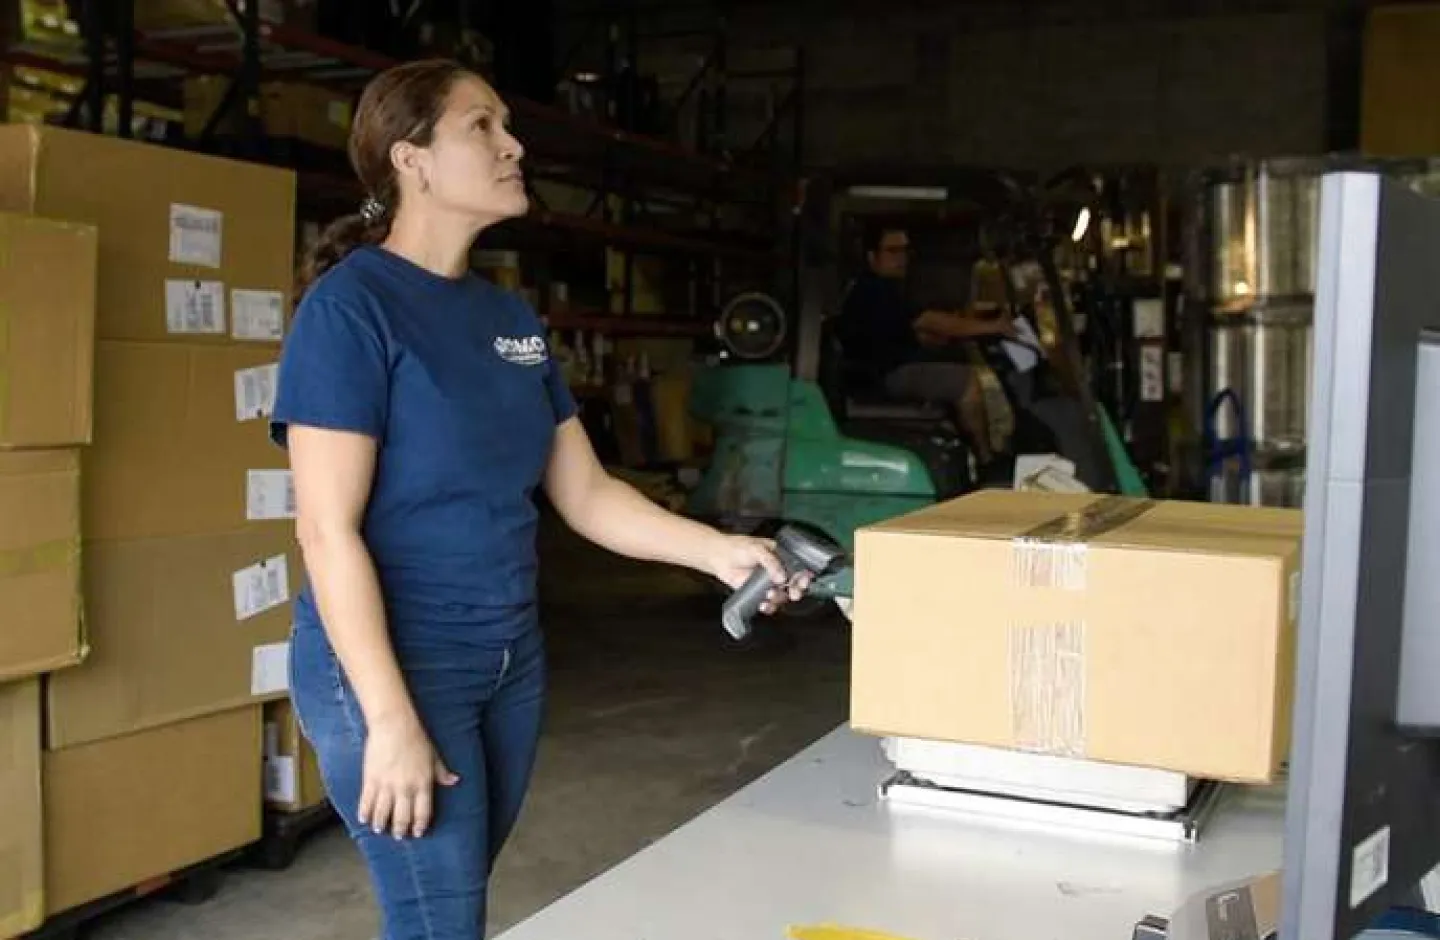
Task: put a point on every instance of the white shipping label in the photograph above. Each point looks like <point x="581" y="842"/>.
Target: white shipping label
<point x="257" y="315"/>
<point x="1150" y="319"/>
<point x="195" y="307"/>
<point x="1152" y="373"/>
<point x="280" y="779"/>
<point x="1369" y="867"/>
<point x="255" y="392"/>
<point x="270" y="669"/>
<point x="261" y="587"/>
<point x="269" y="494"/>
<point x="196" y="235"/>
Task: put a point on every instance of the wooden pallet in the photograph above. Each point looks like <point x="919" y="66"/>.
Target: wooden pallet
<point x="193" y="885"/>
<point x="285" y="833"/>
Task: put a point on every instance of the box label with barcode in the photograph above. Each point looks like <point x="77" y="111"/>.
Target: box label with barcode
<point x="261" y="587"/>
<point x="257" y="315"/>
<point x="269" y="494"/>
<point x="196" y="235"/>
<point x="193" y="307"/>
<point x="255" y="392"/>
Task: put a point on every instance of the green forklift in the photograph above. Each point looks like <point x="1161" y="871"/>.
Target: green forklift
<point x="796" y="445"/>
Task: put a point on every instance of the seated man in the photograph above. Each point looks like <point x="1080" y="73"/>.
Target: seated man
<point x="907" y="351"/>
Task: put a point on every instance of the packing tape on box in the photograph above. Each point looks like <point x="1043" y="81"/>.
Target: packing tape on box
<point x="34" y="559"/>
<point x="1047" y="688"/>
<point x="1055" y="554"/>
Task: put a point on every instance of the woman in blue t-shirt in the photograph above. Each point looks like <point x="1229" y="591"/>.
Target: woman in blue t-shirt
<point x="420" y="410"/>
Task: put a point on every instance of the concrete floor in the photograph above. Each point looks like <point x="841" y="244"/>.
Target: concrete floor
<point x="653" y="719"/>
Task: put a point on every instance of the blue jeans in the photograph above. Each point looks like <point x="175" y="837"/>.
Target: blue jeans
<point x="481" y="705"/>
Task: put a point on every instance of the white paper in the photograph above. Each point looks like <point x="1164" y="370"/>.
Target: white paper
<point x="196" y="235"/>
<point x="255" y="392"/>
<point x="257" y="315"/>
<point x="1150" y="319"/>
<point x="261" y="587"/>
<point x="195" y="307"/>
<point x="1370" y="867"/>
<point x="269" y="494"/>
<point x="1152" y="373"/>
<point x="270" y="669"/>
<point x="280" y="779"/>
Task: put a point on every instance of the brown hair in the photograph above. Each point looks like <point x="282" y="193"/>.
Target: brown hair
<point x="401" y="104"/>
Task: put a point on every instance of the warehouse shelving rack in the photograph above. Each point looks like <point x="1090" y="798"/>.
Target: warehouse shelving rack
<point x="625" y="173"/>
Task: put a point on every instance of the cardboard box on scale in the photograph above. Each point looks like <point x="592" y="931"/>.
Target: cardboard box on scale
<point x="1150" y="633"/>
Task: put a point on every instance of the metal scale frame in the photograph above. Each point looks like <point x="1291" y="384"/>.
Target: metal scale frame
<point x="1005" y="788"/>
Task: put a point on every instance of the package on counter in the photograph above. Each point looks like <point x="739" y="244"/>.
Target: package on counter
<point x="1134" y="631"/>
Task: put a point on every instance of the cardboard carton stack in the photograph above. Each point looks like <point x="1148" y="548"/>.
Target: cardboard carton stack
<point x="178" y="502"/>
<point x="1147" y="633"/>
<point x="47" y="308"/>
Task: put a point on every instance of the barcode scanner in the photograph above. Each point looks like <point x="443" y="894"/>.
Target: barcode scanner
<point x="798" y="552"/>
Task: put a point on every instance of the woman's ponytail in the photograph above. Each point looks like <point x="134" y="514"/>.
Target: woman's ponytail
<point x="338" y="239"/>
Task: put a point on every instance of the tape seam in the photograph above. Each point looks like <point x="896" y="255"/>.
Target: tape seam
<point x="1047" y="669"/>
<point x="1055" y="553"/>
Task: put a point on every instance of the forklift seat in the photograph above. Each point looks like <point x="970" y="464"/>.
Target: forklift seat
<point x="852" y="396"/>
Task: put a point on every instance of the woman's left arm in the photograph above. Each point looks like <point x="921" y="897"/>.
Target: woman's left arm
<point x="613" y="515"/>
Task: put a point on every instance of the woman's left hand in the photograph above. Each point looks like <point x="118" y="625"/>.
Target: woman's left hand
<point x="734" y="557"/>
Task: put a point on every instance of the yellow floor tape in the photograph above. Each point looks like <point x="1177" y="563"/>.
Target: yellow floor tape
<point x="828" y="932"/>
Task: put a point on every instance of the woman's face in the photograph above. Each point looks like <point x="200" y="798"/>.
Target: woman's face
<point x="472" y="165"/>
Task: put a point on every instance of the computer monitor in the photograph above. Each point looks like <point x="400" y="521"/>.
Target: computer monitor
<point x="1363" y="816"/>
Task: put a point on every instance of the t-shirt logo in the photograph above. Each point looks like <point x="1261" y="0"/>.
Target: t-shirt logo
<point x="521" y="350"/>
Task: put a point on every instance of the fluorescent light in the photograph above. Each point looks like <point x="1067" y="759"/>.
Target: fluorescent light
<point x="1082" y="224"/>
<point x="916" y="193"/>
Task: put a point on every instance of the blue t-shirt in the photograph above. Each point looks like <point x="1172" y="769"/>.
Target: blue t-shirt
<point x="453" y="379"/>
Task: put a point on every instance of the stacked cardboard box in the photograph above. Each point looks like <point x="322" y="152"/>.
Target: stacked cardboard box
<point x="1097" y="627"/>
<point x="187" y="556"/>
<point x="292" y="772"/>
<point x="47" y="307"/>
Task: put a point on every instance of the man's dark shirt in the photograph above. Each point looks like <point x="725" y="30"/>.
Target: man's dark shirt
<point x="876" y="326"/>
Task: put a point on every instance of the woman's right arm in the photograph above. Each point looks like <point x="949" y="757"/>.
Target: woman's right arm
<point x="333" y="472"/>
